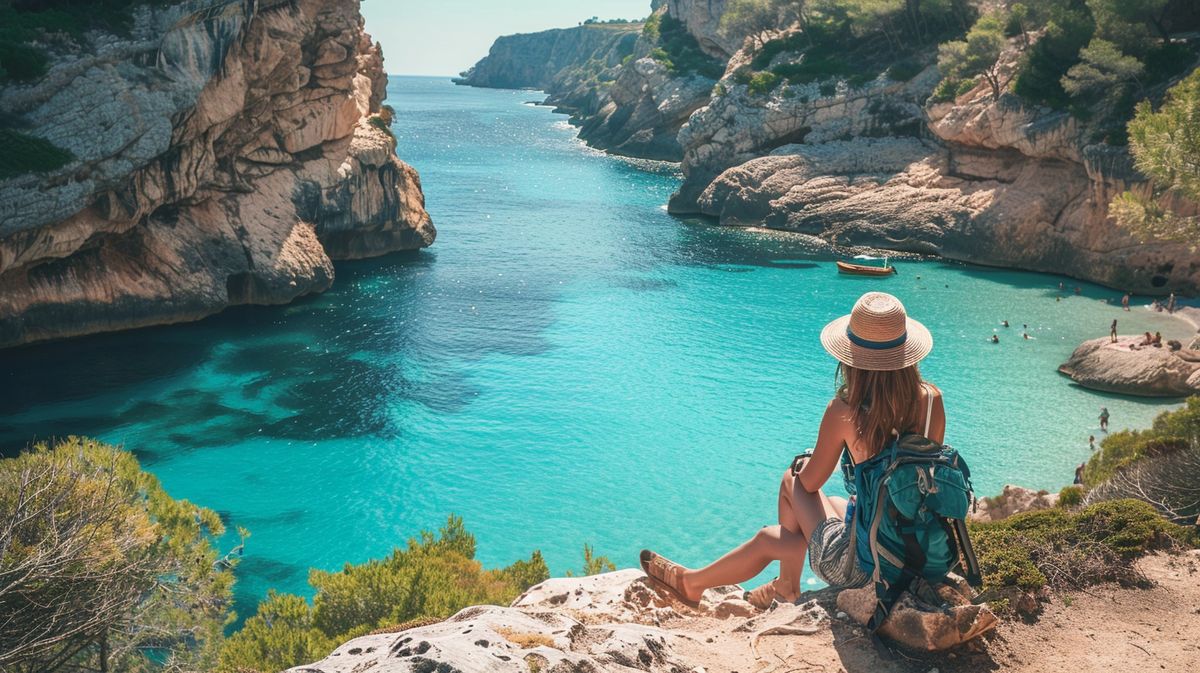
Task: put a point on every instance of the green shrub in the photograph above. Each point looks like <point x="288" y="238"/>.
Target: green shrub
<point x="949" y="89"/>
<point x="1070" y="496"/>
<point x="433" y="577"/>
<point x="763" y="82"/>
<point x="380" y="123"/>
<point x="652" y="26"/>
<point x="28" y="154"/>
<point x="827" y="89"/>
<point x="20" y="62"/>
<point x="904" y="70"/>
<point x="1058" y="548"/>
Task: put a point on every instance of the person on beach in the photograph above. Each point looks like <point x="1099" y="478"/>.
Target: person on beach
<point x="1125" y="301"/>
<point x="881" y="390"/>
<point x="1092" y="442"/>
<point x="1112" y="331"/>
<point x="1157" y="340"/>
<point x="1079" y="474"/>
<point x="1171" y="303"/>
<point x="1104" y="419"/>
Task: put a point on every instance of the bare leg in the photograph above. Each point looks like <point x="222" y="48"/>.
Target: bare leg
<point x="771" y="543"/>
<point x="809" y="509"/>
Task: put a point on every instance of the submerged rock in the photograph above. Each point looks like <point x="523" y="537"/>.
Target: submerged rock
<point x="224" y="153"/>
<point x="1011" y="500"/>
<point x="1146" y="371"/>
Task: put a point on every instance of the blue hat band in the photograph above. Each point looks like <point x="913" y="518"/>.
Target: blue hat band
<point x="875" y="345"/>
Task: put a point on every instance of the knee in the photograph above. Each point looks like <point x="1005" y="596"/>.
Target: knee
<point x="787" y="481"/>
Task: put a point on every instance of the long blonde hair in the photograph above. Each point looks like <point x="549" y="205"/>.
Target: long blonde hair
<point x="882" y="401"/>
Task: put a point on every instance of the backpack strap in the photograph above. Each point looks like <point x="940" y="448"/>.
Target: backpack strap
<point x="928" y="406"/>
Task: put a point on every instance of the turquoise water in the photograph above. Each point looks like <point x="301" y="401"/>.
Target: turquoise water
<point x="567" y="364"/>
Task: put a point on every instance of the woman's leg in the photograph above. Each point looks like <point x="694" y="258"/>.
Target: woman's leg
<point x="808" y="509"/>
<point x="771" y="543"/>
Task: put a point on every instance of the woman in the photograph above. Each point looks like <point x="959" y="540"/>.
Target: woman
<point x="881" y="393"/>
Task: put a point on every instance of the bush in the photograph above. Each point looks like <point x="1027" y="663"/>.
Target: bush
<point x="1061" y="549"/>
<point x="904" y="70"/>
<point x="1070" y="496"/>
<point x="827" y="89"/>
<point x="29" y="154"/>
<point x="433" y="577"/>
<point x="101" y="570"/>
<point x="20" y="62"/>
<point x="949" y="89"/>
<point x="763" y="82"/>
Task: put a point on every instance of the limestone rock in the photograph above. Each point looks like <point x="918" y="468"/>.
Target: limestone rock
<point x="1011" y="500"/>
<point x="230" y="168"/>
<point x="1148" y="371"/>
<point x="702" y="18"/>
<point x="535" y="60"/>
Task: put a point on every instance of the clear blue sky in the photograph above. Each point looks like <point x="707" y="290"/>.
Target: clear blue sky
<point x="444" y="37"/>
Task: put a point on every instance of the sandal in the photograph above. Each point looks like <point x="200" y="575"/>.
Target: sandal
<point x="765" y="595"/>
<point x="666" y="573"/>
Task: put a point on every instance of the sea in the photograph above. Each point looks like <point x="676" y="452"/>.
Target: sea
<point x="568" y="364"/>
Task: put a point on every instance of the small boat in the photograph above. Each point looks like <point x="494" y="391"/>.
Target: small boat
<point x="864" y="270"/>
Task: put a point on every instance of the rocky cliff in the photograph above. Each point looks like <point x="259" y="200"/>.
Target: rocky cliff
<point x="537" y="60"/>
<point x="617" y="622"/>
<point x="978" y="179"/>
<point x="602" y="75"/>
<point x="224" y="152"/>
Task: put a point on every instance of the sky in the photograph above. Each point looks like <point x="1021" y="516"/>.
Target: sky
<point x="445" y="37"/>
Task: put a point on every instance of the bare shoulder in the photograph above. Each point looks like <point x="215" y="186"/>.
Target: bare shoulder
<point x="933" y="389"/>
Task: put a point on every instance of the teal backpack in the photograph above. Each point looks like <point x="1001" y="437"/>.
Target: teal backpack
<point x="910" y="517"/>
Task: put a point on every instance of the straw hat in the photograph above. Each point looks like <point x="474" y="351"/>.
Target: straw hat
<point x="877" y="335"/>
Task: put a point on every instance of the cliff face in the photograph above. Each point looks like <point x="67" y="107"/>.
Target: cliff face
<point x="602" y="75"/>
<point x="537" y="60"/>
<point x="978" y="180"/>
<point x="225" y="152"/>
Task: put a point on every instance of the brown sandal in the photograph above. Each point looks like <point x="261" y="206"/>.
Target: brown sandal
<point x="765" y="595"/>
<point x="666" y="573"/>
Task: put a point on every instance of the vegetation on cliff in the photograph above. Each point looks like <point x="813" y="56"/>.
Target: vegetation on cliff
<point x="1158" y="465"/>
<point x="434" y="576"/>
<point x="677" y="49"/>
<point x="101" y="570"/>
<point x="1165" y="145"/>
<point x="1061" y="549"/>
<point x="27" y="25"/>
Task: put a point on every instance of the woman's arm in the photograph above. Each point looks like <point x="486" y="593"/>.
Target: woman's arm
<point x="830" y="439"/>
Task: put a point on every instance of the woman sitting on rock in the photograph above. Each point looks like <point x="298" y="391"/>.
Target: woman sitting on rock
<point x="877" y="347"/>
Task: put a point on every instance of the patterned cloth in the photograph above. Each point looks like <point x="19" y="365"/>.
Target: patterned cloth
<point x="831" y="555"/>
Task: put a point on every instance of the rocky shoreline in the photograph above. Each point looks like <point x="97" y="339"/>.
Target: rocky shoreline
<point x="977" y="179"/>
<point x="224" y="153"/>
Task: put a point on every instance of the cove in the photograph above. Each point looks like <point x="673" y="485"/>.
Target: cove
<point x="567" y="364"/>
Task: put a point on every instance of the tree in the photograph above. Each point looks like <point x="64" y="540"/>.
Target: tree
<point x="98" y="565"/>
<point x="433" y="577"/>
<point x="592" y="564"/>
<point x="978" y="55"/>
<point x="1166" y="148"/>
<point x="1102" y="68"/>
<point x="1128" y="23"/>
<point x="755" y="19"/>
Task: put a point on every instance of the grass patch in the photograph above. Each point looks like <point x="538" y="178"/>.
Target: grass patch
<point x="29" y="154"/>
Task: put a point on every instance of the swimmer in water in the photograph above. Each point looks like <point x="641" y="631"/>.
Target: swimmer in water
<point x="1004" y="322"/>
<point x="995" y="339"/>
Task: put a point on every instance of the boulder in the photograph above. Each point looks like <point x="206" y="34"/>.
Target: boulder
<point x="1011" y="500"/>
<point x="1126" y="367"/>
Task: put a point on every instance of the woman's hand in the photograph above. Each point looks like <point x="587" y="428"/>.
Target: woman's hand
<point x="799" y="461"/>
